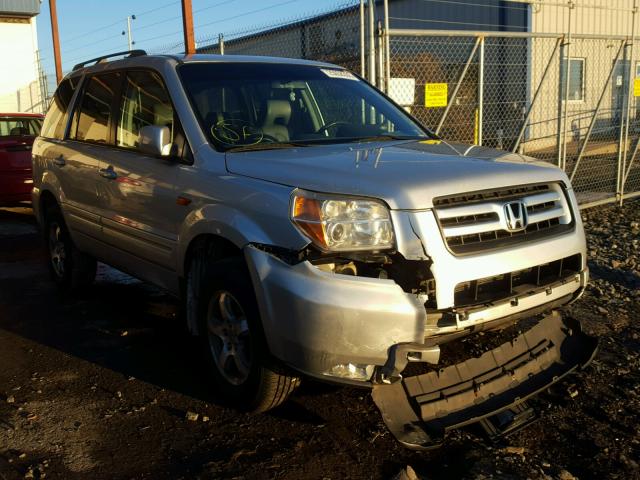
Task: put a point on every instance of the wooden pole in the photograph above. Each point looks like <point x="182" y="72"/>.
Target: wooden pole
<point x="187" y="24"/>
<point x="56" y="39"/>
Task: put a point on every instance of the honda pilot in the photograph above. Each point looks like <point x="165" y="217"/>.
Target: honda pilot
<point x="313" y="228"/>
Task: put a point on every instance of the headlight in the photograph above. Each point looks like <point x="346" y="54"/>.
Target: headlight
<point x="339" y="224"/>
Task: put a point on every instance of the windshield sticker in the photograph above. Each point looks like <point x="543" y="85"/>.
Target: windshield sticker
<point x="229" y="132"/>
<point x="342" y="74"/>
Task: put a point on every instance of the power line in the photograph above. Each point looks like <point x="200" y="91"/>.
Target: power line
<point x="67" y="51"/>
<point x="82" y="35"/>
<point x="119" y="22"/>
<point x="173" y="18"/>
<point x="157" y="8"/>
<point x="222" y="19"/>
<point x="247" y="13"/>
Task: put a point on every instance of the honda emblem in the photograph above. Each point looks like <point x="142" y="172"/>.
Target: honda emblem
<point x="515" y="214"/>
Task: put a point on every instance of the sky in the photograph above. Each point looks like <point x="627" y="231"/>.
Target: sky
<point x="89" y="28"/>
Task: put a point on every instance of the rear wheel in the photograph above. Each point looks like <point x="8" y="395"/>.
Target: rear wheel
<point x="70" y="268"/>
<point x="233" y="342"/>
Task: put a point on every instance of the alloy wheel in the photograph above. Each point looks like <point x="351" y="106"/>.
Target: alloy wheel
<point x="57" y="250"/>
<point x="229" y="337"/>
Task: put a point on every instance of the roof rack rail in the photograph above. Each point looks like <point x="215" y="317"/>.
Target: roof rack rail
<point x="129" y="53"/>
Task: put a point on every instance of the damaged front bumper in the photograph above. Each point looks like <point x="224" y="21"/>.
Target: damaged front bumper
<point x="419" y="410"/>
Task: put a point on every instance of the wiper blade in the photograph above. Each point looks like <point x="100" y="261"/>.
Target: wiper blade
<point x="266" y="146"/>
<point x="373" y="138"/>
<point x="382" y="138"/>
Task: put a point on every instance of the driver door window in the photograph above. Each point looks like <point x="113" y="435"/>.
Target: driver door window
<point x="145" y="102"/>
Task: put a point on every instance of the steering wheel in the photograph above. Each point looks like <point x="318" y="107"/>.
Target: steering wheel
<point x="326" y="127"/>
<point x="270" y="138"/>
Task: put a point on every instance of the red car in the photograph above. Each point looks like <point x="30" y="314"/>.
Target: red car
<point x="17" y="133"/>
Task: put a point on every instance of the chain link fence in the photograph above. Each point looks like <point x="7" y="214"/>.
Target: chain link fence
<point x="511" y="92"/>
<point x="331" y="35"/>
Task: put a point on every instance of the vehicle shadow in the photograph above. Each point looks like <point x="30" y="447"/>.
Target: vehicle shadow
<point x="119" y="323"/>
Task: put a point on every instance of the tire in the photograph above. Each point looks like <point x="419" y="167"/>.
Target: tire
<point x="232" y="339"/>
<point x="71" y="269"/>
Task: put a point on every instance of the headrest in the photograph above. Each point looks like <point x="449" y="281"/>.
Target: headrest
<point x="18" y="131"/>
<point x="278" y="112"/>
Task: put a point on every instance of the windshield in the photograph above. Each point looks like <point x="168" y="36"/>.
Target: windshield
<point x="264" y="105"/>
<point x="15" y="126"/>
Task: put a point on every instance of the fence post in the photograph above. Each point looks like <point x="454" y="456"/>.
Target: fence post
<point x="387" y="49"/>
<point x="480" y="89"/>
<point x="621" y="134"/>
<point x="561" y="105"/>
<point x="362" y="47"/>
<point x="571" y="5"/>
<point x="380" y="55"/>
<point x="372" y="42"/>
<point x="622" y="167"/>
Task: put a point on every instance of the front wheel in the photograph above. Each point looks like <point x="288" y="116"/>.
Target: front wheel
<point x="232" y="339"/>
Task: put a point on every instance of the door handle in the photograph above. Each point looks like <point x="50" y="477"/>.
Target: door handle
<point x="60" y="161"/>
<point x="108" y="172"/>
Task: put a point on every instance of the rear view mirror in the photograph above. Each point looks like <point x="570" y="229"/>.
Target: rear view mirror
<point x="155" y="140"/>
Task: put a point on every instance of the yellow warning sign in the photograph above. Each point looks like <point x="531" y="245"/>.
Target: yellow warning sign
<point x="435" y="95"/>
<point x="636" y="87"/>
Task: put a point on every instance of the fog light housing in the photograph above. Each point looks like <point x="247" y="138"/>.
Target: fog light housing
<point x="351" y="371"/>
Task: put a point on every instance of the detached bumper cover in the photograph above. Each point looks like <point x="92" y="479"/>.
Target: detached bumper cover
<point x="420" y="410"/>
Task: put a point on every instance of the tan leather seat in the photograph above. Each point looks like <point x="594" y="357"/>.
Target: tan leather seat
<point x="276" y="119"/>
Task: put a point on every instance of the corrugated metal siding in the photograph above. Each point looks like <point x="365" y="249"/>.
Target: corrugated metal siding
<point x="600" y="17"/>
<point x="489" y="15"/>
<point x="20" y="8"/>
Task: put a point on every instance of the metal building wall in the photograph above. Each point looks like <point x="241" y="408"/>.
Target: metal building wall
<point x="598" y="17"/>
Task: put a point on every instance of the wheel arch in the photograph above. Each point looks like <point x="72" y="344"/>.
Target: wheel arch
<point x="46" y="201"/>
<point x="228" y="226"/>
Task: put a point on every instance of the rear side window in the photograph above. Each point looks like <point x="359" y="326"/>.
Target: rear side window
<point x="93" y="117"/>
<point x="11" y="126"/>
<point x="56" y="119"/>
<point x="145" y="102"/>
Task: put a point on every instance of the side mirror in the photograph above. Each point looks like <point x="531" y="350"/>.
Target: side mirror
<point x="155" y="140"/>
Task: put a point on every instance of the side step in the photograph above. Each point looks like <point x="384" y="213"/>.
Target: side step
<point x="420" y="410"/>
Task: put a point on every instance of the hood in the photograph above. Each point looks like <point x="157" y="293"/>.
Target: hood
<point x="15" y="152"/>
<point x="407" y="175"/>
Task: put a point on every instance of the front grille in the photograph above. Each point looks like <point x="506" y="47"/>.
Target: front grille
<point x="476" y="221"/>
<point x="499" y="287"/>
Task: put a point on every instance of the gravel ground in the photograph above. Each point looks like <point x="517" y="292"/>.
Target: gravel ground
<point x="107" y="386"/>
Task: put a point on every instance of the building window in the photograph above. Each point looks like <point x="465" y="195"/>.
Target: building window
<point x="576" y="79"/>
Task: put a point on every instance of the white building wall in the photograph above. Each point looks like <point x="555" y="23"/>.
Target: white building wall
<point x="19" y="85"/>
<point x="593" y="17"/>
<point x="600" y="17"/>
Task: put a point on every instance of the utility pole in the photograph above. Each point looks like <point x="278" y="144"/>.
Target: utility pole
<point x="56" y="39"/>
<point x="187" y="25"/>
<point x="128" y="32"/>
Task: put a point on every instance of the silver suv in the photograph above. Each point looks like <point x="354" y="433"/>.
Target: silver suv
<point x="312" y="227"/>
